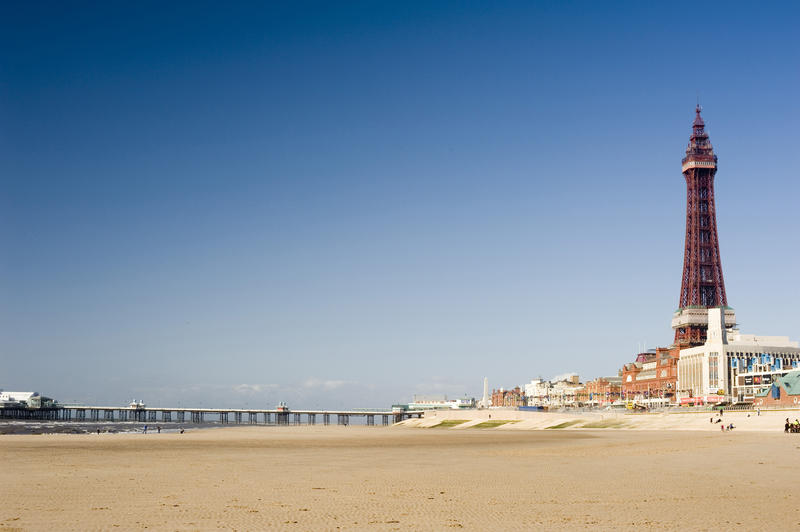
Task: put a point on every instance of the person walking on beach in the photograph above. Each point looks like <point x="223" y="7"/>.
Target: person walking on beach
<point x="144" y="430"/>
<point x="158" y="429"/>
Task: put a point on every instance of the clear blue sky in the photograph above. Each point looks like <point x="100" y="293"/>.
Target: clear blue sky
<point x="344" y="204"/>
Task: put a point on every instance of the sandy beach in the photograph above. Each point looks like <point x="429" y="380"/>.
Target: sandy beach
<point x="401" y="478"/>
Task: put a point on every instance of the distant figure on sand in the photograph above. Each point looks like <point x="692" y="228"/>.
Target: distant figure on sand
<point x="144" y="430"/>
<point x="158" y="428"/>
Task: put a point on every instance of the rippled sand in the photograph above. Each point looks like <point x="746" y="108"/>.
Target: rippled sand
<point x="396" y="478"/>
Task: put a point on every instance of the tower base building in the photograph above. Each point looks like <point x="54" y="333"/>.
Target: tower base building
<point x="732" y="367"/>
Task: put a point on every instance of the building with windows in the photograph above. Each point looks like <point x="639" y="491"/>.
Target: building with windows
<point x="25" y="400"/>
<point x="731" y="366"/>
<point x="782" y="392"/>
<point x="503" y="397"/>
<point x="651" y="379"/>
<point x="436" y="402"/>
<point x="561" y="390"/>
<point x="601" y="391"/>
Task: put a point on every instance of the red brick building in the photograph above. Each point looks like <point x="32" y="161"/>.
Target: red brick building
<point x="653" y="375"/>
<point x="601" y="390"/>
<point x="783" y="392"/>
<point x="515" y="397"/>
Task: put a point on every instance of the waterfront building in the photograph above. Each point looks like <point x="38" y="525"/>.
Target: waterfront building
<point x="561" y="390"/>
<point x="784" y="391"/>
<point x="503" y="397"/>
<point x="565" y="391"/>
<point x="601" y="391"/>
<point x="25" y="399"/>
<point x="651" y="379"/>
<point x="702" y="284"/>
<point x="436" y="402"/>
<point x="537" y="392"/>
<point x="731" y="366"/>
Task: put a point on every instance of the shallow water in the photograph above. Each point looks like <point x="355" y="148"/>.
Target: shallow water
<point x="83" y="427"/>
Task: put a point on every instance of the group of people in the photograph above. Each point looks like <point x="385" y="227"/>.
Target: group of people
<point x="791" y="427"/>
<point x="158" y="428"/>
<point x="729" y="426"/>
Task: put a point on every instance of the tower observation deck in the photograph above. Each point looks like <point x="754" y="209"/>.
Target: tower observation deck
<point x="702" y="284"/>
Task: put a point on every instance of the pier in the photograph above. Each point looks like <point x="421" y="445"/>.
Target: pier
<point x="279" y="416"/>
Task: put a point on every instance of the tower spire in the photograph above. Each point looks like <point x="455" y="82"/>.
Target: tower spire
<point x="698" y="120"/>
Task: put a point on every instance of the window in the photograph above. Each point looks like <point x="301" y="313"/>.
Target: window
<point x="713" y="371"/>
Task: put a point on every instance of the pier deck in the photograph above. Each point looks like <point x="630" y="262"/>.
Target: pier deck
<point x="201" y="415"/>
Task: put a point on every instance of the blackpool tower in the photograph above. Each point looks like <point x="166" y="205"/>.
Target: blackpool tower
<point x="702" y="285"/>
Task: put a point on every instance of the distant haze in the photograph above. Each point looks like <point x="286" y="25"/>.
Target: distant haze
<point x="342" y="205"/>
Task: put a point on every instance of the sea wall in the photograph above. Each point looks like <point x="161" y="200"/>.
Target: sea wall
<point x="510" y="419"/>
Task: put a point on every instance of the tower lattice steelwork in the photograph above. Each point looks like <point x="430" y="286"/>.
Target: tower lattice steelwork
<point x="702" y="285"/>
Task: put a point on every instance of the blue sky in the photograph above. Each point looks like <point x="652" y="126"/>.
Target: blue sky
<point x="346" y="204"/>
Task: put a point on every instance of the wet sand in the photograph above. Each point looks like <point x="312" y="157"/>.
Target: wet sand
<point x="399" y="478"/>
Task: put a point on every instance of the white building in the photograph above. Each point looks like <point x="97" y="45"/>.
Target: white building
<point x="717" y="370"/>
<point x="17" y="397"/>
<point x="28" y="399"/>
<point x="561" y="390"/>
<point x="428" y="402"/>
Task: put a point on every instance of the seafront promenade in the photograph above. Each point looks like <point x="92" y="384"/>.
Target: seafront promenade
<point x="771" y="420"/>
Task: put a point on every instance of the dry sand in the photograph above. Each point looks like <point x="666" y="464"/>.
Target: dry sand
<point x="400" y="478"/>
